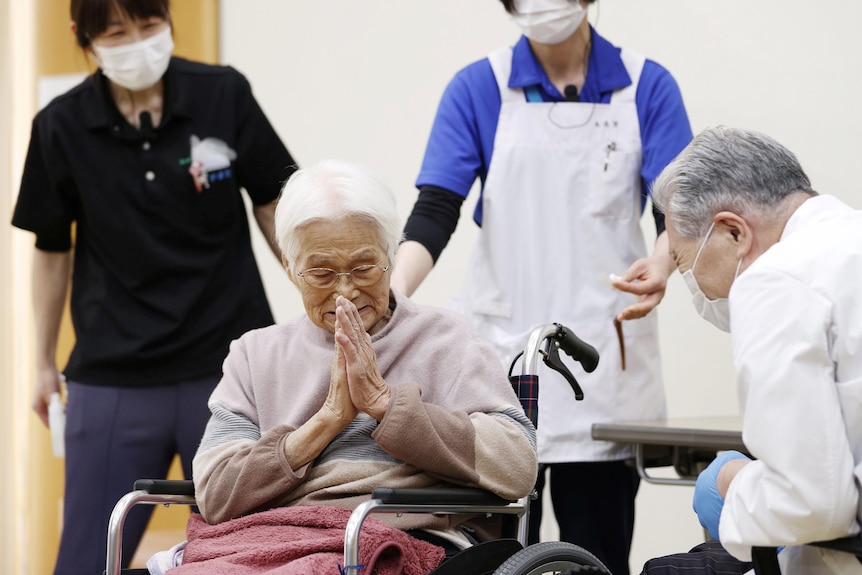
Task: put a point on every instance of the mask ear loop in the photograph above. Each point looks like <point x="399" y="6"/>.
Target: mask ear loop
<point x="702" y="245"/>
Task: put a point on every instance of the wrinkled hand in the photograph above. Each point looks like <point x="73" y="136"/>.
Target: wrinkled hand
<point x="368" y="391"/>
<point x="647" y="279"/>
<point x="47" y="382"/>
<point x="338" y="401"/>
<point x="707" y="501"/>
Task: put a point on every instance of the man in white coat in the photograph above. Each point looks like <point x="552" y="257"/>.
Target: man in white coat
<point x="780" y="267"/>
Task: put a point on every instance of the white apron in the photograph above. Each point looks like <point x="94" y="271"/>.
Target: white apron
<point x="561" y="211"/>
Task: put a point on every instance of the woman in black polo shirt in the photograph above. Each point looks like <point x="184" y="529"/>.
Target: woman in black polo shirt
<point x="132" y="188"/>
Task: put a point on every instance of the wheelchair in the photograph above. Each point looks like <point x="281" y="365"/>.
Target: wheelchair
<point x="508" y="556"/>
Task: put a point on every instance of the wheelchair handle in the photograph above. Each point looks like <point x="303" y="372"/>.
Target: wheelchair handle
<point x="558" y="337"/>
<point x="578" y="349"/>
<point x="565" y="339"/>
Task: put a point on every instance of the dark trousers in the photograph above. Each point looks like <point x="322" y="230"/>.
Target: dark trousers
<point x="594" y="505"/>
<point x="708" y="558"/>
<point x="113" y="437"/>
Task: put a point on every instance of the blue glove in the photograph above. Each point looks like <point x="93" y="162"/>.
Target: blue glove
<point x="707" y="502"/>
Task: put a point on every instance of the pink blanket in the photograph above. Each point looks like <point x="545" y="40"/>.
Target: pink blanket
<point x="300" y="541"/>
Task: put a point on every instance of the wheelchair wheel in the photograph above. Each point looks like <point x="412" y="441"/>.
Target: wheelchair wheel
<point x="552" y="557"/>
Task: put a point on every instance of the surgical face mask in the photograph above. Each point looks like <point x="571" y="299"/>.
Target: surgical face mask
<point x="139" y="65"/>
<point x="548" y="21"/>
<point x="715" y="311"/>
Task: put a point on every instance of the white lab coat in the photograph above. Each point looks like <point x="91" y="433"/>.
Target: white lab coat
<point x="796" y="325"/>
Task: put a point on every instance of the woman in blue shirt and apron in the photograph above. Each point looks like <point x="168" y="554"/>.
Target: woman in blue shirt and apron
<point x="565" y="132"/>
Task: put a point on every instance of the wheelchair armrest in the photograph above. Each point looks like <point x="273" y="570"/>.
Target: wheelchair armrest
<point x="851" y="544"/>
<point x="166" y="486"/>
<point x="148" y="492"/>
<point x="438" y="496"/>
<point x="435" y="501"/>
<point x="765" y="559"/>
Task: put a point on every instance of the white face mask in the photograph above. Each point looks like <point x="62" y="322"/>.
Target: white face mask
<point x="139" y="65"/>
<point x="548" y="21"/>
<point x="715" y="311"/>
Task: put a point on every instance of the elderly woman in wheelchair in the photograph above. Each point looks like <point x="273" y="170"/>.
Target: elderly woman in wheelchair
<point x="367" y="389"/>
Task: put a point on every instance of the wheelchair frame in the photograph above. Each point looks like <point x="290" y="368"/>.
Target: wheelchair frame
<point x="441" y="501"/>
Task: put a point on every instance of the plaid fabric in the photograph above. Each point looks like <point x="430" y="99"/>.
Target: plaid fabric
<point x="708" y="558"/>
<point x="527" y="389"/>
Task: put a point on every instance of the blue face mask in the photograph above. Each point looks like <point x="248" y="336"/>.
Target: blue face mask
<point x="715" y="311"/>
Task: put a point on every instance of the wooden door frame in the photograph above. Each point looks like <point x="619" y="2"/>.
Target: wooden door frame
<point x="35" y="41"/>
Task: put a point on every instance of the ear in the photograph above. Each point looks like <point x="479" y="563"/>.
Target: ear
<point x="739" y="232"/>
<point x="73" y="26"/>
<point x="286" y="265"/>
<point x="88" y="49"/>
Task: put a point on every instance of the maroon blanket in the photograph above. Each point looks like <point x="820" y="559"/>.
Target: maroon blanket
<point x="300" y="541"/>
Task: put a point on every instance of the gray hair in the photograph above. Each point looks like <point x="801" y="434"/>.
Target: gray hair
<point x="727" y="169"/>
<point x="330" y="190"/>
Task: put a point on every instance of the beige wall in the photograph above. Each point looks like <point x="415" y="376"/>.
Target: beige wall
<point x="36" y="42"/>
<point x="360" y="81"/>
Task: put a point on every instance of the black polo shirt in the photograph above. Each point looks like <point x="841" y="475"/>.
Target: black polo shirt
<point x="164" y="276"/>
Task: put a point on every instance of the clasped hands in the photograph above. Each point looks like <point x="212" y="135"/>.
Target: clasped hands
<point x="355" y="382"/>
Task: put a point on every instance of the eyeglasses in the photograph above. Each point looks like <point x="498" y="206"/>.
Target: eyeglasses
<point x="361" y="276"/>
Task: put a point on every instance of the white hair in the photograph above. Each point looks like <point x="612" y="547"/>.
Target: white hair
<point x="331" y="190"/>
<point x="725" y="168"/>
